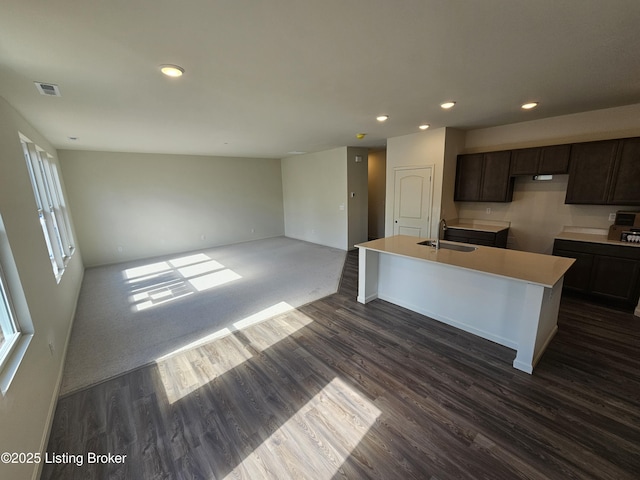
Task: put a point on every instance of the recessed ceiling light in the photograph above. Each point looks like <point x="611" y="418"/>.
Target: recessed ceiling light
<point x="423" y="127"/>
<point x="172" y="70"/>
<point x="529" y="106"/>
<point x="447" y="105"/>
<point x="382" y="118"/>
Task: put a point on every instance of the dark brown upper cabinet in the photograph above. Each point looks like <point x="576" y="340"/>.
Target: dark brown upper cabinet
<point x="554" y="159"/>
<point x="525" y="161"/>
<point x="590" y="172"/>
<point x="468" y="177"/>
<point x="600" y="173"/>
<point x="484" y="177"/>
<point x="625" y="186"/>
<point x="605" y="173"/>
<point x="549" y="160"/>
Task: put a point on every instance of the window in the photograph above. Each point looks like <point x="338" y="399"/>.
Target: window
<point x="9" y="330"/>
<point x="16" y="328"/>
<point x="51" y="206"/>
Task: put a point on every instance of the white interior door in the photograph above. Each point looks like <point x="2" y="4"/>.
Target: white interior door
<point x="412" y="201"/>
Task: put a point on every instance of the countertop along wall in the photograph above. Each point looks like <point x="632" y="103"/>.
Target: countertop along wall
<point x="27" y="408"/>
<point x="133" y="205"/>
<point x="538" y="212"/>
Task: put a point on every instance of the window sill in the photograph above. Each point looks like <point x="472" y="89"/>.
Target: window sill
<point x="65" y="262"/>
<point x="13" y="362"/>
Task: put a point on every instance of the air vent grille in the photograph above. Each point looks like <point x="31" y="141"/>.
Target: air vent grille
<point x="48" y="89"/>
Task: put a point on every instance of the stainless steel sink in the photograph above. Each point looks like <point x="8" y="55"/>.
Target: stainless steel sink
<point x="449" y="246"/>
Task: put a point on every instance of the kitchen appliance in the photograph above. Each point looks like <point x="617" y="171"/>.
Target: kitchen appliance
<point x="625" y="227"/>
<point x="632" y="236"/>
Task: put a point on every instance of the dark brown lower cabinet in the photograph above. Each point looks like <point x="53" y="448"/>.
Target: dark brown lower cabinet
<point x="616" y="278"/>
<point x="578" y="276"/>
<point x="477" y="237"/>
<point x="609" y="273"/>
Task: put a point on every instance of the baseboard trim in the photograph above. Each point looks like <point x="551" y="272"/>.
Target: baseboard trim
<point x="56" y="392"/>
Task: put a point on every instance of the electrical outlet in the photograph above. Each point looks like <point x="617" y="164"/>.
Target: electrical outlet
<point x="51" y="348"/>
<point x="612" y="217"/>
<point x="488" y="211"/>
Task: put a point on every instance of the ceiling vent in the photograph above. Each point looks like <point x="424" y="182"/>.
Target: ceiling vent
<point x="48" y="89"/>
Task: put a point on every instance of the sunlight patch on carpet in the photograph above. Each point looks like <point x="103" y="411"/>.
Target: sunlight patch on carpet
<point x="162" y="282"/>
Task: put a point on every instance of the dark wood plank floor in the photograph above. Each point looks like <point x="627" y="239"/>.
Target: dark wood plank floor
<point x="337" y="389"/>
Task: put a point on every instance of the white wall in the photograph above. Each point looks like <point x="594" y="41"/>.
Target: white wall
<point x="377" y="167"/>
<point x="538" y="212"/>
<point x="602" y="124"/>
<point x="27" y="408"/>
<point x="314" y="189"/>
<point x="419" y="149"/>
<point x="130" y="206"/>
<point x="358" y="203"/>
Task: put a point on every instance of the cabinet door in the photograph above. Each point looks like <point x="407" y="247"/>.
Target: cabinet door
<point x="578" y="276"/>
<point x="525" y="161"/>
<point x="468" y="177"/>
<point x="616" y="278"/>
<point x="626" y="184"/>
<point x="497" y="183"/>
<point x="590" y="172"/>
<point x="554" y="160"/>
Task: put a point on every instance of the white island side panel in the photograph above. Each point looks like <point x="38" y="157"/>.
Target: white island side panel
<point x="485" y="305"/>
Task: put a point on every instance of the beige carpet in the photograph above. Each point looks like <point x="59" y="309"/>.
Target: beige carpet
<point x="135" y="313"/>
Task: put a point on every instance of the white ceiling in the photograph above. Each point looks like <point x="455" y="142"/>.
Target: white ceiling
<point x="264" y="78"/>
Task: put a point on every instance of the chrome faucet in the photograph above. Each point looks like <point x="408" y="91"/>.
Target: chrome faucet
<point x="441" y="229"/>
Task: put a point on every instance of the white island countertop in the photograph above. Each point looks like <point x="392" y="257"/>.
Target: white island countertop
<point x="539" y="269"/>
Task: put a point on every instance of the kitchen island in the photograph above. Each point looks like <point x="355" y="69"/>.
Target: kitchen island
<point x="506" y="296"/>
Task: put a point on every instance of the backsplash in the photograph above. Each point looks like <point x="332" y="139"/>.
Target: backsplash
<point x="538" y="213"/>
